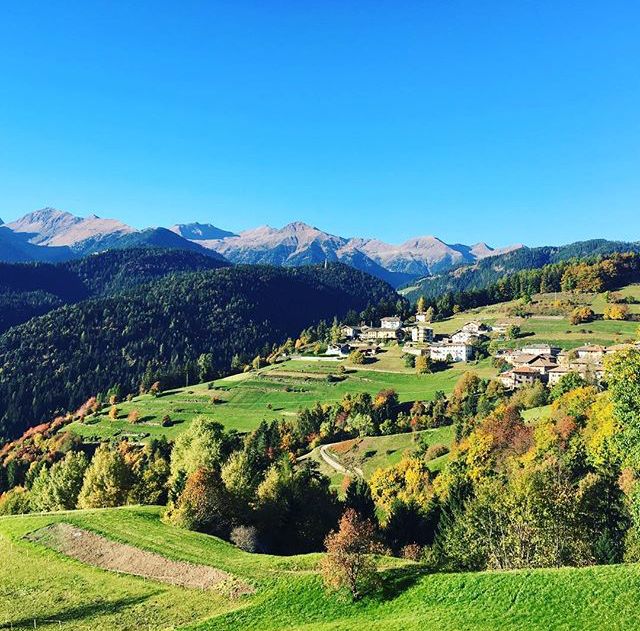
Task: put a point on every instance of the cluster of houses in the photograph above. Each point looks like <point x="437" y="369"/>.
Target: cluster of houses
<point x="419" y="338"/>
<point x="526" y="366"/>
<point x="548" y="364"/>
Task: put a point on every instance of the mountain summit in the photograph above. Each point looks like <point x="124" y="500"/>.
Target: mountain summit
<point x="297" y="243"/>
<point x="52" y="227"/>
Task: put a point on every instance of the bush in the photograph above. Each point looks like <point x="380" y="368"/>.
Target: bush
<point x="166" y="421"/>
<point x="411" y="552"/>
<point x="15" y="502"/>
<point x="582" y="314"/>
<point x="356" y="357"/>
<point x="616" y="312"/>
<point x="245" y="538"/>
<point x="435" y="451"/>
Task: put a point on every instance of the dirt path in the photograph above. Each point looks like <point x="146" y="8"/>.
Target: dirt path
<point x="101" y="552"/>
<point x="334" y="464"/>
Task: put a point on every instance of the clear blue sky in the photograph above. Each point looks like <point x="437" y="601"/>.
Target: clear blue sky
<point x="497" y="121"/>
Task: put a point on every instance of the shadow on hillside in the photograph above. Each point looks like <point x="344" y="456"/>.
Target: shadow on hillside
<point x="396" y="581"/>
<point x="72" y="614"/>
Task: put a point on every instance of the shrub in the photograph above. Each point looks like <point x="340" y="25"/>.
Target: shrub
<point x="411" y="552"/>
<point x="356" y="357"/>
<point x="166" y="421"/>
<point x="616" y="312"/>
<point x="245" y="538"/>
<point x="582" y="314"/>
<point x="15" y="502"/>
<point x="435" y="451"/>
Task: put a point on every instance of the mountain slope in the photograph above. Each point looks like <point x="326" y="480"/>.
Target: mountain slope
<point x="489" y="270"/>
<point x="29" y="290"/>
<point x="15" y="248"/>
<point x="289" y="593"/>
<point x="52" y="227"/>
<point x="300" y="244"/>
<point x="200" y="231"/>
<point x="295" y="244"/>
<point x="56" y="361"/>
<point x="49" y="234"/>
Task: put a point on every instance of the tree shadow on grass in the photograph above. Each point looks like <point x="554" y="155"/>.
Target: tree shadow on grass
<point x="396" y="581"/>
<point x="82" y="612"/>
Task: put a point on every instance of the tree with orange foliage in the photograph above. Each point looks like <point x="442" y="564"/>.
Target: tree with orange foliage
<point x="349" y="563"/>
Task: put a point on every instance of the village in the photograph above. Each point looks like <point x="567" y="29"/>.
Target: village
<point x="523" y="366"/>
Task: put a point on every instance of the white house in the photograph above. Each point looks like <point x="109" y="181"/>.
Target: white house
<point x="379" y="334"/>
<point x="339" y="350"/>
<point x="540" y="349"/>
<point x="421" y="333"/>
<point x="518" y="377"/>
<point x="591" y="352"/>
<point x="421" y="317"/>
<point x="391" y="322"/>
<point x="557" y="373"/>
<point x="350" y="332"/>
<point x="444" y="351"/>
<point x="476" y="328"/>
<point x="465" y="337"/>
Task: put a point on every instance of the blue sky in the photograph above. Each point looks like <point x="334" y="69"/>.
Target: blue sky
<point x="496" y="121"/>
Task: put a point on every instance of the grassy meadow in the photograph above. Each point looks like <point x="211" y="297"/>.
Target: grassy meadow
<point x="242" y="401"/>
<point x="555" y="329"/>
<point x="38" y="584"/>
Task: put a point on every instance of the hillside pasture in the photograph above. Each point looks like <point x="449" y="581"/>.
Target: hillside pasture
<point x="42" y="588"/>
<point x="241" y="402"/>
<point x="554" y="329"/>
<point x="372" y="452"/>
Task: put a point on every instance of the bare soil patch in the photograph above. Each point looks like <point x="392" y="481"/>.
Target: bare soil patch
<point x="101" y="552"/>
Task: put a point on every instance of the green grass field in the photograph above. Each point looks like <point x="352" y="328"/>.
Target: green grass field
<point x="373" y="452"/>
<point x="272" y="393"/>
<point x="37" y="584"/>
<point x="555" y="330"/>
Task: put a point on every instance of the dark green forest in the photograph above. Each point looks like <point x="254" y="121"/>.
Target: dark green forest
<point x="28" y="290"/>
<point x="159" y="330"/>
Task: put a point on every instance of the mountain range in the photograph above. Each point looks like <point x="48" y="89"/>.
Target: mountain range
<point x="54" y="235"/>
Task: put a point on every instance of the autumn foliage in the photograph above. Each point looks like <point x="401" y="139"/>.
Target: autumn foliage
<point x="349" y="564"/>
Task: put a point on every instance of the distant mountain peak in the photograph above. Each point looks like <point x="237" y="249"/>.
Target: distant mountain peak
<point x="52" y="227"/>
<point x="196" y="231"/>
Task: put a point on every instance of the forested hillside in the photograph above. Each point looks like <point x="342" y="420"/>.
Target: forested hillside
<point x="489" y="270"/>
<point x="54" y="362"/>
<point x="591" y="275"/>
<point x="32" y="289"/>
